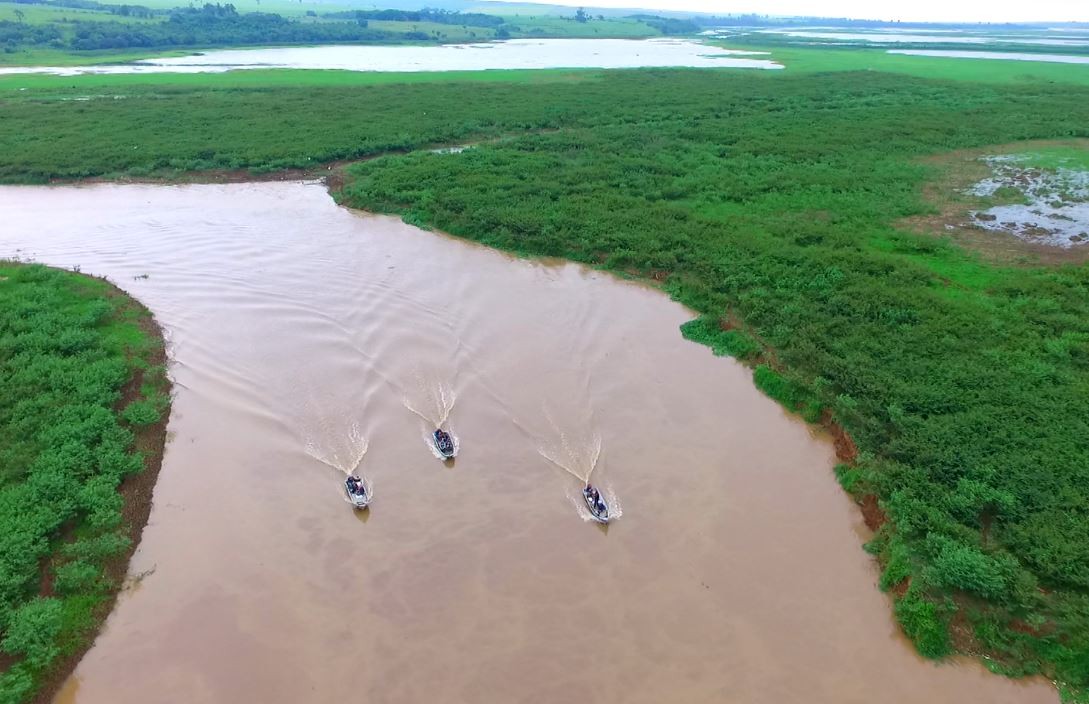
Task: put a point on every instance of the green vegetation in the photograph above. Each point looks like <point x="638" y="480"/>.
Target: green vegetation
<point x="80" y="389"/>
<point x="767" y="202"/>
<point x="211" y="25"/>
<point x="44" y="14"/>
<point x="555" y="26"/>
<point x="821" y="60"/>
<point x="60" y="88"/>
<point x="1057" y="157"/>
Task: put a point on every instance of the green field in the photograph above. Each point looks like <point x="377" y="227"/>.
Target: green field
<point x="772" y="204"/>
<point x="447" y="32"/>
<point x="1057" y="157"/>
<point x="41" y="14"/>
<point x="56" y="57"/>
<point x="287" y="8"/>
<point x="47" y="87"/>
<point x="81" y="411"/>
<point x="815" y="60"/>
<point x="552" y="26"/>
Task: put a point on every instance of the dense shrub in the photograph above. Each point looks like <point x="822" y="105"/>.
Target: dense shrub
<point x="32" y="630"/>
<point x="66" y="350"/>
<point x="924" y="623"/>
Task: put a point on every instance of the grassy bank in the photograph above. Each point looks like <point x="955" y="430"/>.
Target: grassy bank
<point x="82" y="417"/>
<point x="769" y="203"/>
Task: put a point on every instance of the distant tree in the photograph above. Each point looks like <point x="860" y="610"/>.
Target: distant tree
<point x="20" y="16"/>
<point x="581" y="16"/>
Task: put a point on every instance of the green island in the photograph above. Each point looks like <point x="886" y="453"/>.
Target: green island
<point x="83" y="409"/>
<point x="792" y="210"/>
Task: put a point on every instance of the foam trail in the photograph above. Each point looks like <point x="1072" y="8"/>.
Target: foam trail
<point x="579" y="462"/>
<point x="347" y="457"/>
<point x="435" y="402"/>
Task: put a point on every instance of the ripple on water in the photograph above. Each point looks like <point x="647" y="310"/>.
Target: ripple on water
<point x="299" y="328"/>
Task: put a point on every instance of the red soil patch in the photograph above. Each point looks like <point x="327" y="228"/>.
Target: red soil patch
<point x="962" y="634"/>
<point x="872" y="513"/>
<point x="1035" y="631"/>
<point x="846" y="450"/>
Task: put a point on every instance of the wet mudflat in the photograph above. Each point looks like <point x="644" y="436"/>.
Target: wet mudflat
<point x="1055" y="207"/>
<point x="308" y="339"/>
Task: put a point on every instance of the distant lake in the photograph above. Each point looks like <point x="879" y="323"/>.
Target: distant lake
<point x="948" y="37"/>
<point x="512" y="54"/>
<point x="1002" y="55"/>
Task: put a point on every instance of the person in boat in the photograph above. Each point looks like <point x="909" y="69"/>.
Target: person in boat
<point x="442" y="438"/>
<point x="595" y="497"/>
<point x="356" y="484"/>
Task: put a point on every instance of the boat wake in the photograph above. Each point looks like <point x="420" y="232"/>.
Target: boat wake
<point x="432" y="402"/>
<point x="577" y="456"/>
<point x="344" y="454"/>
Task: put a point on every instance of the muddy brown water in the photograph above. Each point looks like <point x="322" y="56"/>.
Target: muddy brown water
<point x="298" y="329"/>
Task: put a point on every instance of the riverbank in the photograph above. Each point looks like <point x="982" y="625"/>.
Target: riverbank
<point x="85" y="411"/>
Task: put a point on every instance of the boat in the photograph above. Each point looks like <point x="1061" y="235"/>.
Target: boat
<point x="357" y="492"/>
<point x="444" y="443"/>
<point x="599" y="510"/>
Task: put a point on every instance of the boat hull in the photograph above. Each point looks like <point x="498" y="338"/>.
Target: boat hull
<point x="595" y="513"/>
<point x="359" y="501"/>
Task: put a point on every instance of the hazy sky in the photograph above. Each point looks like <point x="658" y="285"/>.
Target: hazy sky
<point x="933" y="10"/>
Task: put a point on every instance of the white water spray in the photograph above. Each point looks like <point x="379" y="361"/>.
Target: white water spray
<point x="431" y="401"/>
<point x="578" y="456"/>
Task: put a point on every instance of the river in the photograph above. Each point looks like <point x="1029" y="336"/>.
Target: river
<point x="301" y="332"/>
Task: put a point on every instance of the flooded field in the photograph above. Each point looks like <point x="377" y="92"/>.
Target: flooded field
<point x="310" y="341"/>
<point x="512" y="54"/>
<point x="932" y="37"/>
<point x="1055" y="211"/>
